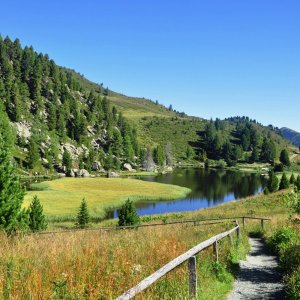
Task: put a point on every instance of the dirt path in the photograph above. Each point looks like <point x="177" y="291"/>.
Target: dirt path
<point x="258" y="277"/>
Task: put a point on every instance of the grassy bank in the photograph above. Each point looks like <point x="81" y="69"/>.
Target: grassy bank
<point x="61" y="198"/>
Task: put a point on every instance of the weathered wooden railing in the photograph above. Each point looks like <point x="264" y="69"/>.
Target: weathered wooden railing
<point x="195" y="221"/>
<point x="191" y="258"/>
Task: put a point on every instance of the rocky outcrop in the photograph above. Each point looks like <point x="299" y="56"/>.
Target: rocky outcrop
<point x="127" y="167"/>
<point x="83" y="173"/>
<point x="23" y="130"/>
<point x="111" y="174"/>
<point x="96" y="165"/>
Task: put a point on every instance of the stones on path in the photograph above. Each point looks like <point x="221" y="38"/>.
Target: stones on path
<point x="258" y="276"/>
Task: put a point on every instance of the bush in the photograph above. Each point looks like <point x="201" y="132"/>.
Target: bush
<point x="281" y="238"/>
<point x="128" y="215"/>
<point x="293" y="283"/>
<point x="290" y="258"/>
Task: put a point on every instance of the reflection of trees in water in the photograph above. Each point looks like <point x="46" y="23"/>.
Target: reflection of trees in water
<point x="213" y="185"/>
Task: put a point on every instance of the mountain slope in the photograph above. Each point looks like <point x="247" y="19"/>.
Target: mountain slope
<point x="56" y="110"/>
<point x="291" y="135"/>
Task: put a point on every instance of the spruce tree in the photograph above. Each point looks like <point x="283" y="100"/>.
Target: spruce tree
<point x="292" y="179"/>
<point x="33" y="152"/>
<point x="128" y="215"/>
<point x="284" y="182"/>
<point x="37" y="219"/>
<point x="272" y="182"/>
<point x="12" y="217"/>
<point x="284" y="158"/>
<point x="83" y="215"/>
<point x="67" y="160"/>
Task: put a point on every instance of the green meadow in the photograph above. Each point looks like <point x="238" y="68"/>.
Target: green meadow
<point x="62" y="197"/>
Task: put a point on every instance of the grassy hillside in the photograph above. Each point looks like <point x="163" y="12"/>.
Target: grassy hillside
<point x="54" y="109"/>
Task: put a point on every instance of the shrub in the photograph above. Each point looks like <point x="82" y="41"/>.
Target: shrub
<point x="281" y="238"/>
<point x="293" y="283"/>
<point x="128" y="215"/>
<point x="290" y="259"/>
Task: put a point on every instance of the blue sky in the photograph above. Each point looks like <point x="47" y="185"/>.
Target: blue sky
<point x="207" y="58"/>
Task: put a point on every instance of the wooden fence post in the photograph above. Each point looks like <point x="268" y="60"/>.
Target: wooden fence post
<point x="230" y="239"/>
<point x="192" y="278"/>
<point x="243" y="222"/>
<point x="216" y="252"/>
<point x="262" y="224"/>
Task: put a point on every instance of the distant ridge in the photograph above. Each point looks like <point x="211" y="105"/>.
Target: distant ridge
<point x="291" y="135"/>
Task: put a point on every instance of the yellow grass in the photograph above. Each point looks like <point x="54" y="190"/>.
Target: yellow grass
<point x="94" y="265"/>
<point x="63" y="196"/>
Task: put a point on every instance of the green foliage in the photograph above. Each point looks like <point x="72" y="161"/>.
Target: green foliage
<point x="67" y="160"/>
<point x="159" y="155"/>
<point x="292" y="179"/>
<point x="272" y="182"/>
<point x="293" y="285"/>
<point x="12" y="217"/>
<point x="293" y="200"/>
<point x="284" y="158"/>
<point x="37" y="219"/>
<point x="284" y="182"/>
<point x="83" y="215"/>
<point x="33" y="152"/>
<point x="128" y="215"/>
<point x="297" y="182"/>
<point x="281" y="239"/>
<point x="290" y="258"/>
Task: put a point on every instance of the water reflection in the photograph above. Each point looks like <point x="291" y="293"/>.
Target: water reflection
<point x="209" y="188"/>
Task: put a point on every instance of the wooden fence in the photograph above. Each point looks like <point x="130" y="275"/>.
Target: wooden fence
<point x="191" y="258"/>
<point x="195" y="221"/>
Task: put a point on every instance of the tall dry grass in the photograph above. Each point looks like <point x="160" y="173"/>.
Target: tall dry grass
<point x="94" y="265"/>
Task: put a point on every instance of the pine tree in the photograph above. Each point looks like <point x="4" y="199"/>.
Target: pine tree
<point x="128" y="215"/>
<point x="284" y="182"/>
<point x="83" y="215"/>
<point x="159" y="156"/>
<point x="37" y="219"/>
<point x="284" y="158"/>
<point x="67" y="160"/>
<point x="272" y="182"/>
<point x="12" y="217"/>
<point x="292" y="179"/>
<point x="33" y="152"/>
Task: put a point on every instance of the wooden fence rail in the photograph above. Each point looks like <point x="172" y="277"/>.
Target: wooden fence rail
<point x="175" y="263"/>
<point x="191" y="258"/>
<point x="195" y="221"/>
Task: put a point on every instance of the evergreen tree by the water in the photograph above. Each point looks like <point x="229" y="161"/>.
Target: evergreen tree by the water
<point x="128" y="215"/>
<point x="37" y="220"/>
<point x="272" y="182"/>
<point x="83" y="215"/>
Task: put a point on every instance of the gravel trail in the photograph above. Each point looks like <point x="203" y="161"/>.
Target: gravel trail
<point x="258" y="276"/>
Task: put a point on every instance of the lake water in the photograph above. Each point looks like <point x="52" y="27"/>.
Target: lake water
<point x="209" y="188"/>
